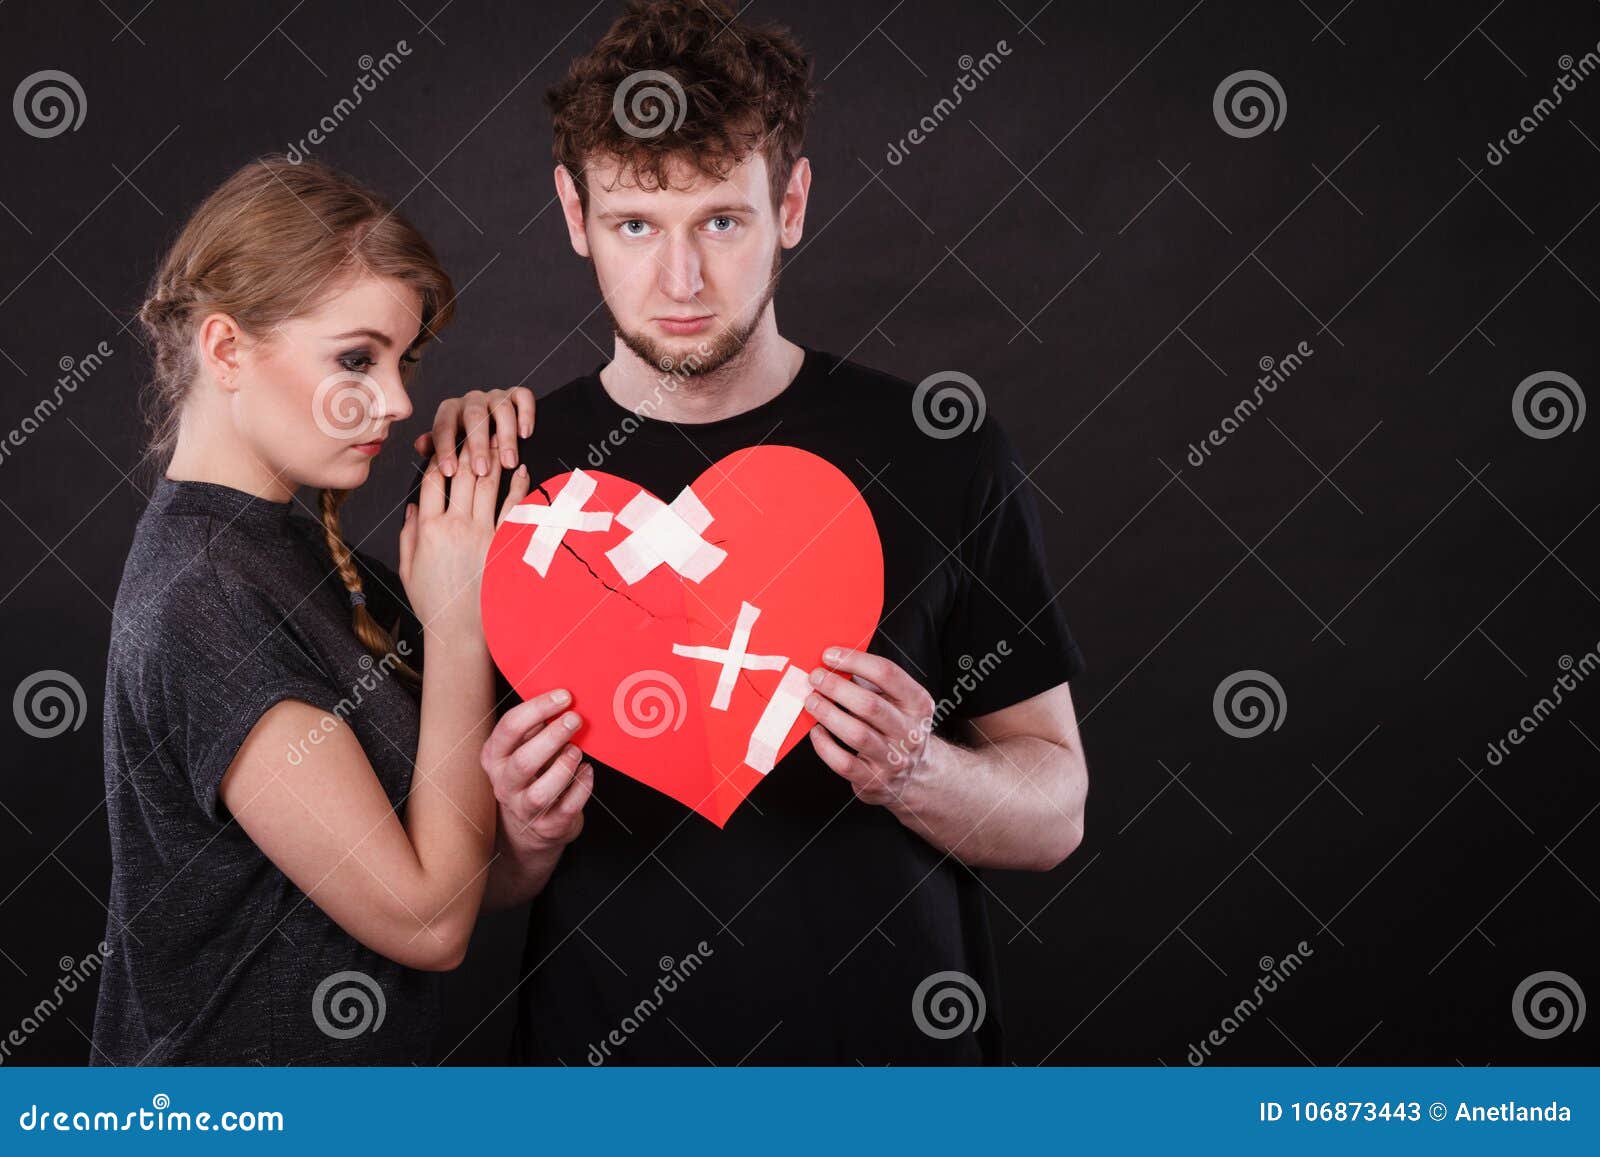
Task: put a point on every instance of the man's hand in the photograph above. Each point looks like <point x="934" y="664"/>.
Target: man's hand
<point x="884" y="714"/>
<point x="1013" y="799"/>
<point x="541" y="783"/>
<point x="489" y="418"/>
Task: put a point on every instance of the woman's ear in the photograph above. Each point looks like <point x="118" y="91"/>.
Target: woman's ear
<point x="220" y="343"/>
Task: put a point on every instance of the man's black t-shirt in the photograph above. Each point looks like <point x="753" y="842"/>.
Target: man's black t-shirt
<point x="799" y="932"/>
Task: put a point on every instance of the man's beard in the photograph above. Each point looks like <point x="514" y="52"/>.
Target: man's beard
<point x="717" y="353"/>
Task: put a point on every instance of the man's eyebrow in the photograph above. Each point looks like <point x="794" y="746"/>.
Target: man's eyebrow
<point x="378" y="336"/>
<point x="708" y="211"/>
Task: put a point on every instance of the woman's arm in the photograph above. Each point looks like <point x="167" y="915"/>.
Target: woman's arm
<point x="410" y="890"/>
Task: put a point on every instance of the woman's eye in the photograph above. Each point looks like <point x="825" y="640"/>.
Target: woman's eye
<point x="355" y="363"/>
<point x="408" y="363"/>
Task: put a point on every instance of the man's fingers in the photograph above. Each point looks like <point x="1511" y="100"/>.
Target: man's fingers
<point x="870" y="706"/>
<point x="900" y="687"/>
<point x="515" y="724"/>
<point x="867" y="742"/>
<point x="520" y="484"/>
<point x="446" y="429"/>
<point x="836" y="757"/>
<point x="552" y="779"/>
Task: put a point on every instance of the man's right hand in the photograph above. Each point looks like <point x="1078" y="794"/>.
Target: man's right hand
<point x="490" y="419"/>
<point x="540" y="781"/>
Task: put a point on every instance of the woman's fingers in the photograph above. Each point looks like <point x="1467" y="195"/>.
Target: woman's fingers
<point x="430" y="499"/>
<point x="475" y="423"/>
<point x="526" y="404"/>
<point x="517" y="492"/>
<point x="464" y="488"/>
<point x="408" y="542"/>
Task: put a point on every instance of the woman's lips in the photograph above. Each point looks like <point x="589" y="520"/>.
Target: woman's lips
<point x="368" y="448"/>
<point x="684" y="325"/>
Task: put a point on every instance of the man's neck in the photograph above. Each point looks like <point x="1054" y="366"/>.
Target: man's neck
<point x="758" y="373"/>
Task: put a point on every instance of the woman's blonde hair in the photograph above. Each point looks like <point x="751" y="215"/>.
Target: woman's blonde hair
<point x="269" y="245"/>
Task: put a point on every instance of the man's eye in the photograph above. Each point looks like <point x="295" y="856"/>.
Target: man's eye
<point x="726" y="225"/>
<point x="628" y="229"/>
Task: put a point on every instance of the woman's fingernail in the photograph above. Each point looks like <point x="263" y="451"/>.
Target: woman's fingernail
<point x="480" y="466"/>
<point x="448" y="466"/>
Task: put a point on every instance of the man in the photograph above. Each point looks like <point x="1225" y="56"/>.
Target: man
<point x="847" y="882"/>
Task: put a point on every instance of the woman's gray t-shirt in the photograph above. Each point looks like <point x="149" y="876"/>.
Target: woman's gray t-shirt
<point x="229" y="603"/>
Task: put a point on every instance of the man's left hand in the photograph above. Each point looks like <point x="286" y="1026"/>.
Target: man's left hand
<point x="883" y="714"/>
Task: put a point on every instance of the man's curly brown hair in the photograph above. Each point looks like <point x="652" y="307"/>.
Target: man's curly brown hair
<point x="743" y="88"/>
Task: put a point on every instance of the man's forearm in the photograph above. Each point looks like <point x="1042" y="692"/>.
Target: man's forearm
<point x="1015" y="802"/>
<point x="515" y="878"/>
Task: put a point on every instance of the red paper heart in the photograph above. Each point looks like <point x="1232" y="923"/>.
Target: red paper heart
<point x="801" y="547"/>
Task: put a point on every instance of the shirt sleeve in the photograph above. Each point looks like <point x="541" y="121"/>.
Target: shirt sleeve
<point x="223" y="658"/>
<point x="1006" y="639"/>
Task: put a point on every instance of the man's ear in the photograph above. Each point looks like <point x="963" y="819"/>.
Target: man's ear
<point x="219" y="342"/>
<point x="572" y="210"/>
<point x="792" y="210"/>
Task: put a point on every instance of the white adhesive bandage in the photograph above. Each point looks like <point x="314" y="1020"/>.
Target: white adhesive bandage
<point x="787" y="701"/>
<point x="665" y="534"/>
<point x="564" y="513"/>
<point x="734" y="658"/>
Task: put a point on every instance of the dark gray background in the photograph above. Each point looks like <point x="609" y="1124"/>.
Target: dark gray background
<point x="1085" y="241"/>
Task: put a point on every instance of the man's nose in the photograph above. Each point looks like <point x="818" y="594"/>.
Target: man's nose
<point x="680" y="270"/>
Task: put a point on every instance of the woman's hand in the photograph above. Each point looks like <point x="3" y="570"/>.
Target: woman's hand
<point x="510" y="412"/>
<point x="443" y="546"/>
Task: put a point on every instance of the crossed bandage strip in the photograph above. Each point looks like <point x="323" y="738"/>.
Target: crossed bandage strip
<point x="671" y="535"/>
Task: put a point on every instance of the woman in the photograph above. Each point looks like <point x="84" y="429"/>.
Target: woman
<point x="300" y="834"/>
